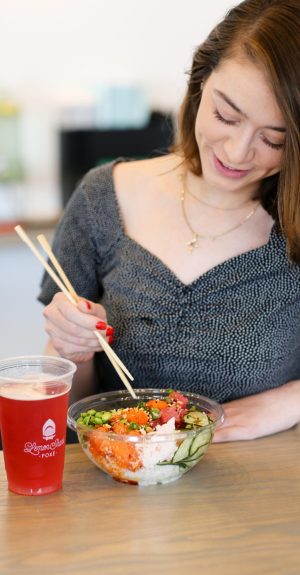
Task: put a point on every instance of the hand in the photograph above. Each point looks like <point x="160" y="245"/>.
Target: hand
<point x="262" y="414"/>
<point x="71" y="327"/>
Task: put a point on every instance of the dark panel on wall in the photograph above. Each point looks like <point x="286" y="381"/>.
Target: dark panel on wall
<point x="81" y="150"/>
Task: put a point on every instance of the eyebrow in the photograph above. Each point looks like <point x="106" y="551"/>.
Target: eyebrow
<point x="235" y="107"/>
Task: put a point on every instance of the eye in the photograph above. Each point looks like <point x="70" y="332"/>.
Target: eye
<point x="271" y="144"/>
<point x="222" y="119"/>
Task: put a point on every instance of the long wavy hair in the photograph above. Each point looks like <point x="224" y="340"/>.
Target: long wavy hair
<point x="268" y="33"/>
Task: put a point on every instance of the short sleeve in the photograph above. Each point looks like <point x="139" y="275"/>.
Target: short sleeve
<point x="87" y="234"/>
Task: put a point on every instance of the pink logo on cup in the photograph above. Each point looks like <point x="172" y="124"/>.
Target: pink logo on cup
<point x="49" y="429"/>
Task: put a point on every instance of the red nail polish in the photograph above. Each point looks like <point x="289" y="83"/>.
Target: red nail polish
<point x="88" y="305"/>
<point x="101" y="325"/>
<point x="110" y="340"/>
<point x="110" y="330"/>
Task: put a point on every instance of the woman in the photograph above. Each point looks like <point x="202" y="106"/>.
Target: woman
<point x="193" y="257"/>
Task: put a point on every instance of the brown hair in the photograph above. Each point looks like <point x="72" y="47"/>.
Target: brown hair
<point x="268" y="33"/>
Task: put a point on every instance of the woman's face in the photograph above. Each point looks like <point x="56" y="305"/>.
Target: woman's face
<point x="239" y="128"/>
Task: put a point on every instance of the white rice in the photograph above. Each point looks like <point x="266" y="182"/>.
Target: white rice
<point x="153" y="452"/>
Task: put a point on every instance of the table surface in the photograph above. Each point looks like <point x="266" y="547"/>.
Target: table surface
<point x="237" y="513"/>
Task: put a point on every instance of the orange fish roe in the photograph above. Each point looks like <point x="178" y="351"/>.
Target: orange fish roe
<point x="104" y="427"/>
<point x="157" y="404"/>
<point x="136" y="415"/>
<point x="119" y="427"/>
<point x="107" y="451"/>
<point x="107" y="464"/>
<point x="96" y="440"/>
<point x="115" y="417"/>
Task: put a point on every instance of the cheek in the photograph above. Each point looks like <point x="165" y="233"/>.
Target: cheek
<point x="206" y="129"/>
<point x="198" y="129"/>
<point x="203" y="131"/>
<point x="272" y="161"/>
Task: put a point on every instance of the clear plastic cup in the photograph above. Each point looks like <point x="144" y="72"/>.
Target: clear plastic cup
<point x="34" y="394"/>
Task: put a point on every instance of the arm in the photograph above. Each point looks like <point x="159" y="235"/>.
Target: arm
<point x="84" y="380"/>
<point x="81" y="243"/>
<point x="262" y="414"/>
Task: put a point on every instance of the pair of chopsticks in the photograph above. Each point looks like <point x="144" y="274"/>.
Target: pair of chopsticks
<point x="66" y="287"/>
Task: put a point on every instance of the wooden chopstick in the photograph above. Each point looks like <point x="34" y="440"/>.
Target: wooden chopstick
<point x="50" y="271"/>
<point x="72" y="296"/>
<point x="44" y="243"/>
<point x="112" y="356"/>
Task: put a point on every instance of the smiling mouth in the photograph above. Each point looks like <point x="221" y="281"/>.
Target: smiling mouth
<point x="228" y="170"/>
<point x="229" y="167"/>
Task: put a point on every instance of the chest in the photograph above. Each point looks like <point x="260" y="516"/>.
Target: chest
<point x="240" y="323"/>
<point x="189" y="252"/>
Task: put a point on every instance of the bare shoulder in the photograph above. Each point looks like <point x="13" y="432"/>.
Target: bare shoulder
<point x="141" y="188"/>
<point x="142" y="176"/>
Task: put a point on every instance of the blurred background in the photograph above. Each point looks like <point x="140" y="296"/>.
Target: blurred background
<point x="81" y="82"/>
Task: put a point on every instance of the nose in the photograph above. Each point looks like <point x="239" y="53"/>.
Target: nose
<point x="239" y="147"/>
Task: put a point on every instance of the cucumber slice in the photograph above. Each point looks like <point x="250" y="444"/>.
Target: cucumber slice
<point x="189" y="447"/>
<point x="203" y="438"/>
<point x="190" y="450"/>
<point x="196" y="418"/>
<point x="191" y="461"/>
<point x="183" y="450"/>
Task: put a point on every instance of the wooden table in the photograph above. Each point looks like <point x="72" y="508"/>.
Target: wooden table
<point x="237" y="513"/>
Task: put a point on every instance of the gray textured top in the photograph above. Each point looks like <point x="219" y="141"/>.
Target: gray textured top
<point x="232" y="332"/>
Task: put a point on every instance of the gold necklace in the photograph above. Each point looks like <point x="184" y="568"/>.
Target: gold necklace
<point x="193" y="243"/>
<point x="201" y="201"/>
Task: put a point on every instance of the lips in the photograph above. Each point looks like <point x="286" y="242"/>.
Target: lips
<point x="228" y="171"/>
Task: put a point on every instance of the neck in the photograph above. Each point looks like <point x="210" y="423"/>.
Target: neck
<point x="219" y="199"/>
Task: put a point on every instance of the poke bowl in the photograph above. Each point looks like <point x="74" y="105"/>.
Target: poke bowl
<point x="155" y="438"/>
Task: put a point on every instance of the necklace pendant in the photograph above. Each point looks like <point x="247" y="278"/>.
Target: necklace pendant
<point x="193" y="244"/>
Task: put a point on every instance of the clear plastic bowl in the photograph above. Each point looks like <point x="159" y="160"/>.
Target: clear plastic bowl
<point x="144" y="459"/>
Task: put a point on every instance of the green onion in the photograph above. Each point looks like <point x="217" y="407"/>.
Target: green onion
<point x="134" y="425"/>
<point x="142" y="405"/>
<point x="155" y="413"/>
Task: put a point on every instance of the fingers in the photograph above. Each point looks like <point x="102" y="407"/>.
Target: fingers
<point x="71" y="327"/>
<point x="238" y="428"/>
<point x="91" y="308"/>
<point x="79" y="314"/>
<point x="97" y="311"/>
<point x="232" y="433"/>
<point x="67" y="322"/>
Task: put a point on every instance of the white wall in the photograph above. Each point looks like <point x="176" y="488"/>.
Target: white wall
<point x="55" y="51"/>
<point x="21" y="320"/>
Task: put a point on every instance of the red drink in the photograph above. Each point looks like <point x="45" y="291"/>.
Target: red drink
<point x="33" y="414"/>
